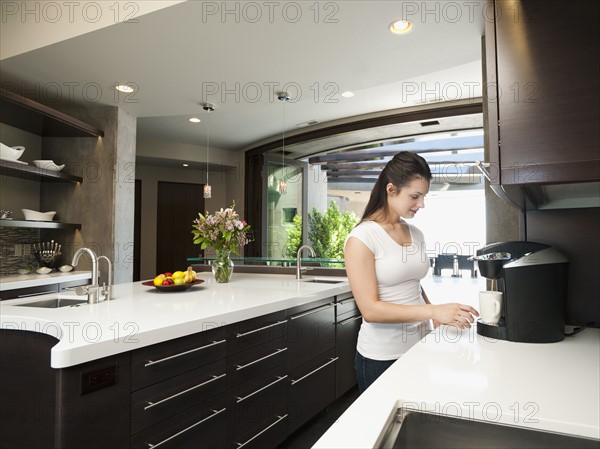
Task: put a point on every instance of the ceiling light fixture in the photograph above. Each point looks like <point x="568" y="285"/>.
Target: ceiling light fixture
<point x="186" y="165"/>
<point x="401" y="26"/>
<point x="194" y="120"/>
<point x="283" y="97"/>
<point x="124" y="88"/>
<point x="207" y="191"/>
<point x="347" y="94"/>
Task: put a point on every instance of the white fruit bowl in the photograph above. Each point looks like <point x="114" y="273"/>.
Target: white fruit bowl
<point x="38" y="216"/>
<point x="13" y="153"/>
<point x="47" y="164"/>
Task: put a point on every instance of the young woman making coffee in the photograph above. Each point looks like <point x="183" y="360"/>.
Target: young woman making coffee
<point x="385" y="261"/>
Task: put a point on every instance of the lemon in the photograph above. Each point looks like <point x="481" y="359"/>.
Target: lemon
<point x="158" y="280"/>
<point x="178" y="275"/>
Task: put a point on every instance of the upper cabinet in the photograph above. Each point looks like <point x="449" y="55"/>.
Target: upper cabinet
<point x="542" y="87"/>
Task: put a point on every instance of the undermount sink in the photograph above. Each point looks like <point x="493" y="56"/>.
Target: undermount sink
<point x="322" y="281"/>
<point x="417" y="430"/>
<point x="54" y="303"/>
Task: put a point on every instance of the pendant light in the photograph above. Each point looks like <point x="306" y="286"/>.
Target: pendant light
<point x="283" y="97"/>
<point x="207" y="193"/>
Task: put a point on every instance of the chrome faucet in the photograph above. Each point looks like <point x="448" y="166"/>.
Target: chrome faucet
<point x="299" y="268"/>
<point x="107" y="290"/>
<point x="90" y="290"/>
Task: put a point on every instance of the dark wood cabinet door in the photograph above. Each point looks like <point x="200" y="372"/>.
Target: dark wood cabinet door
<point x="347" y="327"/>
<point x="548" y="79"/>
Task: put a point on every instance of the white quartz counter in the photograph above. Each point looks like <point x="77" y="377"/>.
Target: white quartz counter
<point x="554" y="387"/>
<point x="142" y="316"/>
<point x="12" y="282"/>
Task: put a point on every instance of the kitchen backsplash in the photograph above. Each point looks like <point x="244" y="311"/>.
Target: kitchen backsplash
<point x="16" y="249"/>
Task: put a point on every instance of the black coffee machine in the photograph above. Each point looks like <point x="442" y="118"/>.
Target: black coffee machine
<point x="533" y="279"/>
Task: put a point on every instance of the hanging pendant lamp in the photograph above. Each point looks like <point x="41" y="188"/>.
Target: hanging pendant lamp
<point x="207" y="191"/>
<point x="283" y="97"/>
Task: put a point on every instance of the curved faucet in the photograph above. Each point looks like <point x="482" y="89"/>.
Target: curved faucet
<point x="90" y="290"/>
<point x="299" y="268"/>
<point x="107" y="290"/>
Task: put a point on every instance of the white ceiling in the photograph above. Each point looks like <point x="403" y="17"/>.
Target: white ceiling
<point x="184" y="55"/>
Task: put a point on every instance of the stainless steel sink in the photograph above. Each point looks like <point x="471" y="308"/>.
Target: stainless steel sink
<point x="322" y="281"/>
<point x="54" y="303"/>
<point x="413" y="429"/>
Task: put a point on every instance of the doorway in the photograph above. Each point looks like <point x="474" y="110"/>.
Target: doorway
<point x="178" y="205"/>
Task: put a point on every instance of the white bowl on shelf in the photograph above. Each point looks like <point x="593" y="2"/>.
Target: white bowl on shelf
<point x="65" y="268"/>
<point x="38" y="216"/>
<point x="48" y="164"/>
<point x="43" y="270"/>
<point x="11" y="153"/>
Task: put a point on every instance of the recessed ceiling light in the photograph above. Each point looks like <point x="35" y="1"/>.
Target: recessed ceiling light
<point x="186" y="165"/>
<point x="347" y="94"/>
<point x="194" y="120"/>
<point x="401" y="26"/>
<point x="124" y="88"/>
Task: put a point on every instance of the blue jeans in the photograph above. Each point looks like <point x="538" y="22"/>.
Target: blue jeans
<point x="368" y="370"/>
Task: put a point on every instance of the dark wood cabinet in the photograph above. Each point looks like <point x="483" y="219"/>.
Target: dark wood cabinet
<point x="542" y="87"/>
<point x="348" y="321"/>
<point x="39" y="290"/>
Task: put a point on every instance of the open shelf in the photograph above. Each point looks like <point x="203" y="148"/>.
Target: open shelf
<point x="32" y="172"/>
<point x="38" y="224"/>
<point x="31" y="116"/>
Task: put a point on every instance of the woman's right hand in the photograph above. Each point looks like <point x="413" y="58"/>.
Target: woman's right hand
<point x="460" y="315"/>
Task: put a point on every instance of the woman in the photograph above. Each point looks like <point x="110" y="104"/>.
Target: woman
<point x="385" y="261"/>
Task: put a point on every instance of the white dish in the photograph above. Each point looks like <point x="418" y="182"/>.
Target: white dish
<point x="11" y="153"/>
<point x="12" y="160"/>
<point x="38" y="216"/>
<point x="23" y="271"/>
<point x="47" y="164"/>
<point x="43" y="270"/>
<point x="65" y="268"/>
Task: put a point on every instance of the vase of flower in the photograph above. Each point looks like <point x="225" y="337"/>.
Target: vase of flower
<point x="224" y="232"/>
<point x="222" y="266"/>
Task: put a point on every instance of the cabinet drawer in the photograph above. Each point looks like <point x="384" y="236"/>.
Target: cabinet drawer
<point x="254" y="361"/>
<point x="165" y="399"/>
<point x="158" y="362"/>
<point x="312" y="388"/>
<point x="201" y="427"/>
<point x="28" y="291"/>
<point x="347" y="328"/>
<point x="310" y="333"/>
<point x="269" y="436"/>
<point x="255" y="331"/>
<point x="257" y="403"/>
<point x="345" y="306"/>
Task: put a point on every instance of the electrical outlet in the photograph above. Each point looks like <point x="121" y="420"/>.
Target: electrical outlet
<point x="18" y="249"/>
<point x="26" y="249"/>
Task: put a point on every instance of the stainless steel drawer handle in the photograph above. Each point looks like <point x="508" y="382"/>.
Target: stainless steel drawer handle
<point x="154" y="362"/>
<point x="310" y="312"/>
<point x="279" y="419"/>
<point x="27" y="295"/>
<point x="154" y="404"/>
<point x="349" y="320"/>
<point x="279" y="379"/>
<point x="346" y="301"/>
<point x="294" y="382"/>
<point x="215" y="413"/>
<point x="260" y="329"/>
<point x="277" y="351"/>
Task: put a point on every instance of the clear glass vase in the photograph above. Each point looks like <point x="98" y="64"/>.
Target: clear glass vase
<point x="222" y="266"/>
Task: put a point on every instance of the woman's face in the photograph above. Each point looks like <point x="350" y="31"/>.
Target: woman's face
<point x="407" y="201"/>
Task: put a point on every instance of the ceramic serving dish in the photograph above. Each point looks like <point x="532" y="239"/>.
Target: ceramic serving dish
<point x="11" y="153"/>
<point x="48" y="164"/>
<point x="65" y="268"/>
<point x="43" y="270"/>
<point x="38" y="216"/>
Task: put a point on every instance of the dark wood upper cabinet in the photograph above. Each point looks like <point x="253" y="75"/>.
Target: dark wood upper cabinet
<point x="542" y="88"/>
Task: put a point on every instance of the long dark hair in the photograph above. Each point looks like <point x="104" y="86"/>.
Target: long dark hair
<point x="404" y="167"/>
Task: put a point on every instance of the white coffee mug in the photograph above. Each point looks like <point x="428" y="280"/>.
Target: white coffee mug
<point x="490" y="306"/>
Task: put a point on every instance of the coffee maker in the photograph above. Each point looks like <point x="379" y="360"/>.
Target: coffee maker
<point x="533" y="279"/>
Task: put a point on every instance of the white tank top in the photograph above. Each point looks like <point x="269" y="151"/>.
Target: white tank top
<point x="399" y="270"/>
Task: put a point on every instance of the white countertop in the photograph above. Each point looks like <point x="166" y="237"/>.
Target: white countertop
<point x="142" y="316"/>
<point x="12" y="282"/>
<point x="554" y="386"/>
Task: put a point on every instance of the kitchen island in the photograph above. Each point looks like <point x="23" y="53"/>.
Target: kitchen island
<point x="553" y="387"/>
